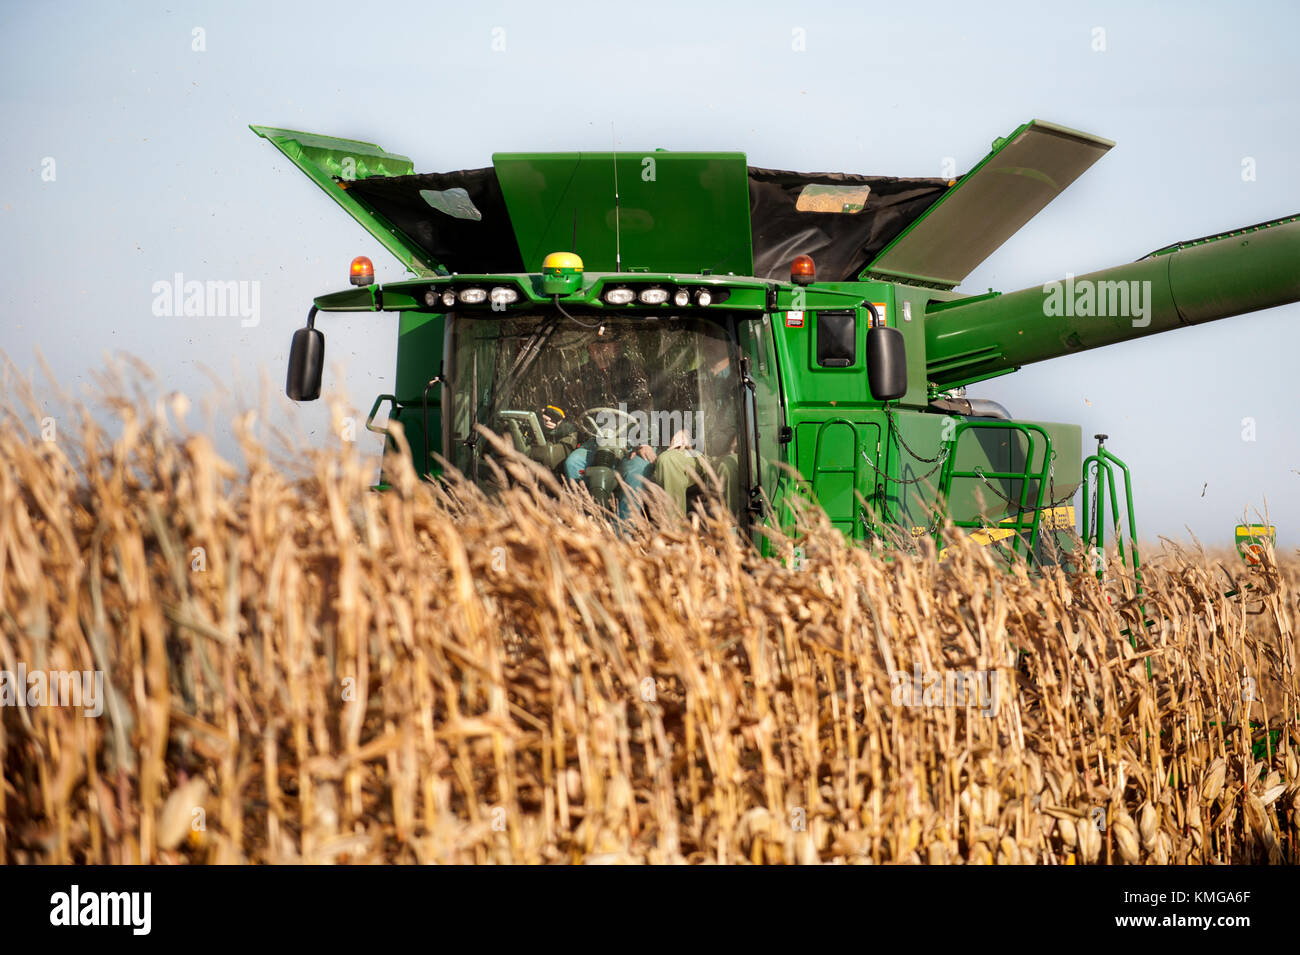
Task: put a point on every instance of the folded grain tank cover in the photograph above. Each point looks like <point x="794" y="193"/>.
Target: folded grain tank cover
<point x="1012" y="184"/>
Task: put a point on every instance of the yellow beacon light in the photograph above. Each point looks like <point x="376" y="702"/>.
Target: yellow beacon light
<point x="561" y="273"/>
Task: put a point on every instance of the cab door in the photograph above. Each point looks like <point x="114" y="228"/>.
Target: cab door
<point x="764" y="416"/>
<point x="834" y="421"/>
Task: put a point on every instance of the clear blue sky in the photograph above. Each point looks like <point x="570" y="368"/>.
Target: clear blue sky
<point x="156" y="173"/>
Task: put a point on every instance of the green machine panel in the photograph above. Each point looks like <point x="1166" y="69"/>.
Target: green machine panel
<point x="676" y="212"/>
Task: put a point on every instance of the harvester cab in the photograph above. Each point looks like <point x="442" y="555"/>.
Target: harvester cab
<point x="791" y="335"/>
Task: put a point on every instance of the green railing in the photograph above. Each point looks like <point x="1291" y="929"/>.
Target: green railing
<point x="1022" y="504"/>
<point x="1095" y="466"/>
<point x="1098" y="484"/>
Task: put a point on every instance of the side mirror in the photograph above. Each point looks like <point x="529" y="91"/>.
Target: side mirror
<point x="886" y="363"/>
<point x="306" y="362"/>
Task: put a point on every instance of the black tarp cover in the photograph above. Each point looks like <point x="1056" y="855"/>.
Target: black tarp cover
<point x="841" y="244"/>
<point x="485" y="245"/>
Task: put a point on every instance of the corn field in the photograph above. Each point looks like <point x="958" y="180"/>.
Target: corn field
<point x="298" y="669"/>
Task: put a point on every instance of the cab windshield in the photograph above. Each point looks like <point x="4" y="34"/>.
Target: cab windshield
<point x="613" y="402"/>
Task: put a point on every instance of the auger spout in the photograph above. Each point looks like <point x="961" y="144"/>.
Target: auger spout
<point x="1187" y="283"/>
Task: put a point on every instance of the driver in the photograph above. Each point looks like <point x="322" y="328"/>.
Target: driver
<point x="678" y="469"/>
<point x="614" y="377"/>
<point x="557" y="427"/>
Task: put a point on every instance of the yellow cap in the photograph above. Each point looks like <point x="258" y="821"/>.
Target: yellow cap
<point x="557" y="261"/>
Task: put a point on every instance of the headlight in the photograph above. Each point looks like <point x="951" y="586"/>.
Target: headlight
<point x="653" y="296"/>
<point x="681" y="298"/>
<point x="472" y="296"/>
<point x="703" y="297"/>
<point x="504" y="296"/>
<point x="449" y="298"/>
<point x="619" y="296"/>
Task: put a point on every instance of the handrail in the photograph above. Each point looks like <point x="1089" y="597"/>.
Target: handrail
<point x="1022" y="504"/>
<point x="1094" y="524"/>
<point x="374" y="410"/>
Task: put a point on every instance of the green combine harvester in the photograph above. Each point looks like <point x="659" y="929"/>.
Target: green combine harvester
<point x="690" y="320"/>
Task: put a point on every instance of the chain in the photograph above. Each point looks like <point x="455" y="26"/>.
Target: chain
<point x="1051" y="490"/>
<point x="1051" y="486"/>
<point x="979" y="473"/>
<point x="898" y="434"/>
<point x="915" y="480"/>
<point x="938" y="461"/>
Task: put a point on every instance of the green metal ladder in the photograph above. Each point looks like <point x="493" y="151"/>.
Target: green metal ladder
<point x="1028" y="513"/>
<point x="848" y="469"/>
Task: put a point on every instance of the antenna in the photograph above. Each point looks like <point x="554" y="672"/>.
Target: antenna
<point x="618" y="247"/>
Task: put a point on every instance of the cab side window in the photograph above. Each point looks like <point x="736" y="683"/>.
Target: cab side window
<point x="837" y="336"/>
